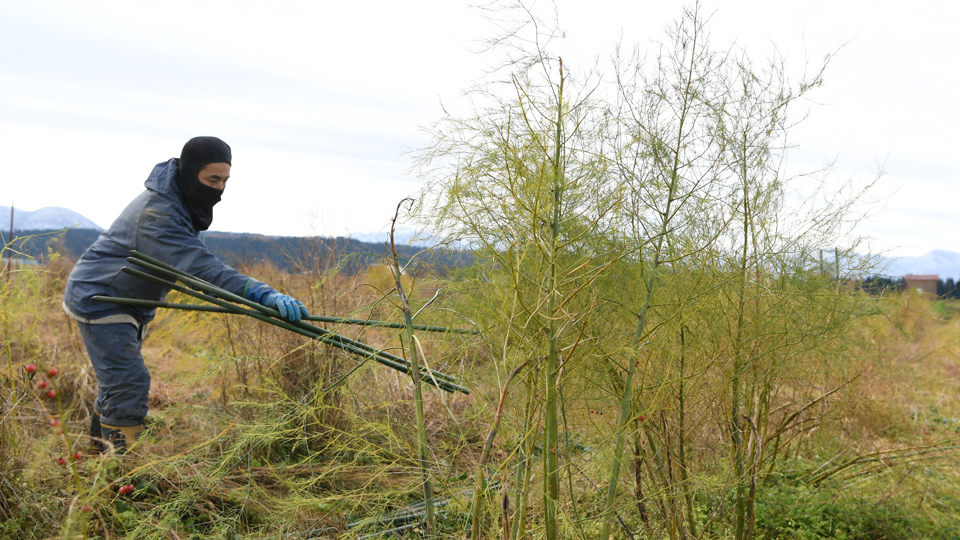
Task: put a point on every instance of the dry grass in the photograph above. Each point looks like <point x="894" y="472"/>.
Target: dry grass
<point x="251" y="434"/>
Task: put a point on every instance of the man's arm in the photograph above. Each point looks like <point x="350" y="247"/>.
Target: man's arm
<point x="171" y="241"/>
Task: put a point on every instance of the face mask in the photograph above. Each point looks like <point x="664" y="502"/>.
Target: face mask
<point x="198" y="197"/>
<point x="200" y="204"/>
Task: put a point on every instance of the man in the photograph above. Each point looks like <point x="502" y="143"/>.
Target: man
<point x="164" y="222"/>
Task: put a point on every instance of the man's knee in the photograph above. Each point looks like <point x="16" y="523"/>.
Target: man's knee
<point x="122" y="375"/>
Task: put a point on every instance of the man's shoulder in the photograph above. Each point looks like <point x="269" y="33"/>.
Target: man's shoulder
<point x="161" y="210"/>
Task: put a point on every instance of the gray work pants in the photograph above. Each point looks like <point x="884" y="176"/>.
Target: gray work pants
<point x="122" y="376"/>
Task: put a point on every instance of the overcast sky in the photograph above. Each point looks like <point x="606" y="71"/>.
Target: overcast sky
<point x="319" y="99"/>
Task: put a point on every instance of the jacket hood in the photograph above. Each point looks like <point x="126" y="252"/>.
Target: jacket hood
<point x="163" y="178"/>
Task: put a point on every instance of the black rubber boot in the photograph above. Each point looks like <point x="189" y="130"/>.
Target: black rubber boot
<point x="96" y="434"/>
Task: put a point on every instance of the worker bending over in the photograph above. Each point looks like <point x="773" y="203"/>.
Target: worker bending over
<point x="163" y="222"/>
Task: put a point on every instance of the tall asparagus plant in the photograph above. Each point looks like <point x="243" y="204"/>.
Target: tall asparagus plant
<point x="668" y="159"/>
<point x="756" y="125"/>
<point x="551" y="185"/>
<point x="524" y="181"/>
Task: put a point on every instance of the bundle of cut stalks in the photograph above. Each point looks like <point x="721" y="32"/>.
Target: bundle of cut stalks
<point x="226" y="302"/>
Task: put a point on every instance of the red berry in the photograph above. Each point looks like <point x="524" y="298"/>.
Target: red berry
<point x="127" y="489"/>
<point x="61" y="461"/>
<point x="86" y="508"/>
<point x="641" y="418"/>
<point x="52" y="394"/>
<point x="31" y="368"/>
<point x="53" y="372"/>
<point x="54" y="423"/>
<point x="43" y="384"/>
<point x="78" y="455"/>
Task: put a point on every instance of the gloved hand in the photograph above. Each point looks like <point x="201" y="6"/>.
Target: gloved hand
<point x="289" y="307"/>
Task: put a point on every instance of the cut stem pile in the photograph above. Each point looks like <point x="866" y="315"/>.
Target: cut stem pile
<point x="227" y="302"/>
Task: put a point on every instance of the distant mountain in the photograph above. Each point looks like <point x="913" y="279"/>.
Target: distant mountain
<point x="290" y="253"/>
<point x="50" y="218"/>
<point x="403" y="235"/>
<point x="945" y="264"/>
<point x="307" y="253"/>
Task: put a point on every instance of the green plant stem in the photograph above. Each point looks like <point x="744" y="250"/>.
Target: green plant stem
<point x="657" y="474"/>
<point x="422" y="446"/>
<point x="736" y="438"/>
<point x="403" y="368"/>
<point x="487" y="446"/>
<point x="234" y="310"/>
<point x="524" y="470"/>
<point x="315" y="318"/>
<point x="551" y="464"/>
<point x="682" y="437"/>
<point x="626" y="403"/>
<point x="149" y="263"/>
<point x="670" y="484"/>
<point x="638" y="461"/>
<point x="567" y="460"/>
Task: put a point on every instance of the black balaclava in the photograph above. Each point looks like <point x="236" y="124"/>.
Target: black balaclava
<point x="199" y="197"/>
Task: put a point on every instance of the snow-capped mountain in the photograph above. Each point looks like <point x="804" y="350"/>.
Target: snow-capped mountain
<point x="945" y="264"/>
<point x="48" y="218"/>
<point x="403" y="235"/>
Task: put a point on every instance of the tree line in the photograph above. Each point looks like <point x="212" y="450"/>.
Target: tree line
<point x="883" y="285"/>
<point x="286" y="253"/>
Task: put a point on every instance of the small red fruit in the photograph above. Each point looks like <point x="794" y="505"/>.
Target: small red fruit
<point x="53" y="372"/>
<point x="31" y="368"/>
<point x="43" y="384"/>
<point x="86" y="509"/>
<point x="52" y="394"/>
<point x="127" y="489"/>
<point x="54" y="423"/>
<point x="78" y="455"/>
<point x="61" y="461"/>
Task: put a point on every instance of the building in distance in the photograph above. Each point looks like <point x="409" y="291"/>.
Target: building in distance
<point x="922" y="283"/>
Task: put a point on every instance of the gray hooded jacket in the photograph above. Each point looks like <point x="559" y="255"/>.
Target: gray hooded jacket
<point x="158" y="224"/>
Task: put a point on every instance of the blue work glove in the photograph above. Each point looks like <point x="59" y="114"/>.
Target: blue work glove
<point x="289" y="307"/>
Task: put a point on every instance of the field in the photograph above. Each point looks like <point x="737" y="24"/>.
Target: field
<point x="251" y="436"/>
<point x="671" y="340"/>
